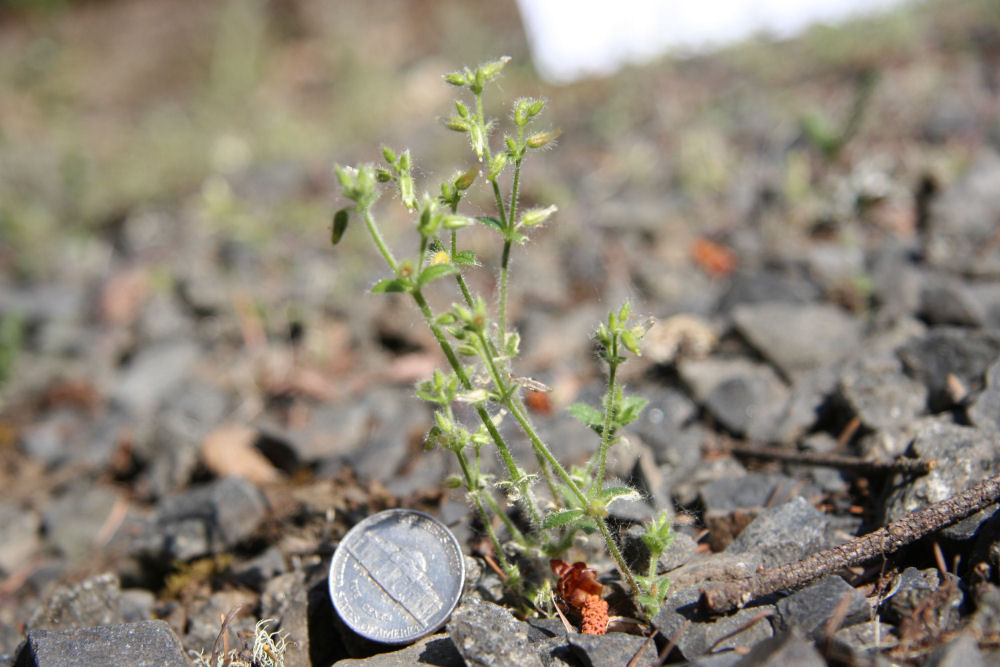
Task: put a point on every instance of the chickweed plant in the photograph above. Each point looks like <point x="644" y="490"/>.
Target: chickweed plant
<point x="481" y="349"/>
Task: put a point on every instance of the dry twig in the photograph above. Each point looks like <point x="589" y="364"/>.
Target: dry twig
<point x="905" y="466"/>
<point x="726" y="597"/>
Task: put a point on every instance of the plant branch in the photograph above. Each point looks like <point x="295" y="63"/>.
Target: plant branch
<point x="726" y="597"/>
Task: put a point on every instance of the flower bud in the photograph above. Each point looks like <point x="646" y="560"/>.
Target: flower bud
<point x="389" y="155"/>
<point x="542" y="139"/>
<point x="456" y="78"/>
<point x="537" y="216"/>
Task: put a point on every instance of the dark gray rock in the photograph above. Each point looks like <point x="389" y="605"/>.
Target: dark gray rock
<point x="809" y="392"/>
<point x="152" y="374"/>
<point x="611" y="649"/>
<point x="783" y="534"/>
<point x="985" y="409"/>
<point x="203" y="621"/>
<point x="810" y="609"/>
<point x="767" y="286"/>
<point x="962" y="651"/>
<point x="437" y="650"/>
<point x="73" y="520"/>
<point x="186" y="415"/>
<point x="745" y="397"/>
<point x="946" y="300"/>
<point x="488" y="635"/>
<point x="880" y="394"/>
<point x="142" y="644"/>
<point x="964" y="455"/>
<point x="947" y="350"/>
<point x="396" y="423"/>
<point x="798" y="338"/>
<point x="914" y="586"/>
<point x="862" y="641"/>
<point x="666" y="414"/>
<point x="701" y="635"/>
<point x="285" y="598"/>
<point x="93" y="601"/>
<point x="963" y="219"/>
<point x="784" y="650"/>
<point x="201" y="521"/>
<point x="731" y="503"/>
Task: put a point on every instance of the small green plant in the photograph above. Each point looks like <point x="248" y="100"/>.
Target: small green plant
<point x="481" y="348"/>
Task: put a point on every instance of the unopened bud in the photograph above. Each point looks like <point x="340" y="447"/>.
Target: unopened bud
<point x="537" y="216"/>
<point x="543" y="139"/>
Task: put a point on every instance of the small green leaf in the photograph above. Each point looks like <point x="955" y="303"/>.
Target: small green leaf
<point x="629" y="409"/>
<point x="465" y="258"/>
<point x="588" y="415"/>
<point x="432" y="273"/>
<point x="561" y="518"/>
<point x="491" y="222"/>
<point x="613" y="493"/>
<point x="340" y="220"/>
<point x="388" y="285"/>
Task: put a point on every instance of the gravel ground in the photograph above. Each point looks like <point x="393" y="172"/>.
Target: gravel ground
<point x="192" y="417"/>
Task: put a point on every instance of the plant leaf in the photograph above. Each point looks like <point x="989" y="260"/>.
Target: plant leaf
<point x="561" y="518"/>
<point x="388" y="285"/>
<point x="465" y="258"/>
<point x="432" y="273"/>
<point x="340" y="220"/>
<point x="613" y="493"/>
<point x="491" y="222"/>
<point x="587" y="414"/>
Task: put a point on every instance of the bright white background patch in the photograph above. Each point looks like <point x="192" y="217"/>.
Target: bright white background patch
<point x="571" y="39"/>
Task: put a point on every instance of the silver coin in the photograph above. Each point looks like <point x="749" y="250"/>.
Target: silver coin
<point x="397" y="576"/>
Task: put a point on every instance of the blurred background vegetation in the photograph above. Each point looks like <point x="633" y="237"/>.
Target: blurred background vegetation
<point x="113" y="106"/>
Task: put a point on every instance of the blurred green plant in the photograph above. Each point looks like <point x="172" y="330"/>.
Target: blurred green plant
<point x="481" y="348"/>
<point x="11" y="342"/>
<point x="821" y="132"/>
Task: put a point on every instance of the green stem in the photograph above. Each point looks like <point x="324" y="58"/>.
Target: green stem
<point x="373" y="229"/>
<point x="459" y="278"/>
<point x="502" y="306"/>
<point x="606" y="439"/>
<point x="609" y="541"/>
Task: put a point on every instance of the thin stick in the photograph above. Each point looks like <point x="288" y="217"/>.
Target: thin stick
<point x="726" y="597"/>
<point x="662" y="657"/>
<point x="743" y="628"/>
<point x="906" y="466"/>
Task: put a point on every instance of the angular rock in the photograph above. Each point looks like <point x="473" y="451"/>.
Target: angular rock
<point x="914" y="587"/>
<point x="945" y="351"/>
<point x="488" y="635"/>
<point x="798" y="338"/>
<point x="93" y="601"/>
<point x="285" y="598"/>
<point x="862" y="641"/>
<point x="810" y="609"/>
<point x="702" y="635"/>
<point x="437" y="650"/>
<point x="611" y="649"/>
<point x="142" y="644"/>
<point x="152" y="374"/>
<point x="880" y="394"/>
<point x="74" y="520"/>
<point x="783" y="650"/>
<point x="704" y="568"/>
<point x="985" y="409"/>
<point x="745" y="397"/>
<point x="767" y="286"/>
<point x="731" y="503"/>
<point x="946" y="300"/>
<point x="963" y="219"/>
<point x="962" y="651"/>
<point x="783" y="534"/>
<point x="201" y="521"/>
<point x="964" y="455"/>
